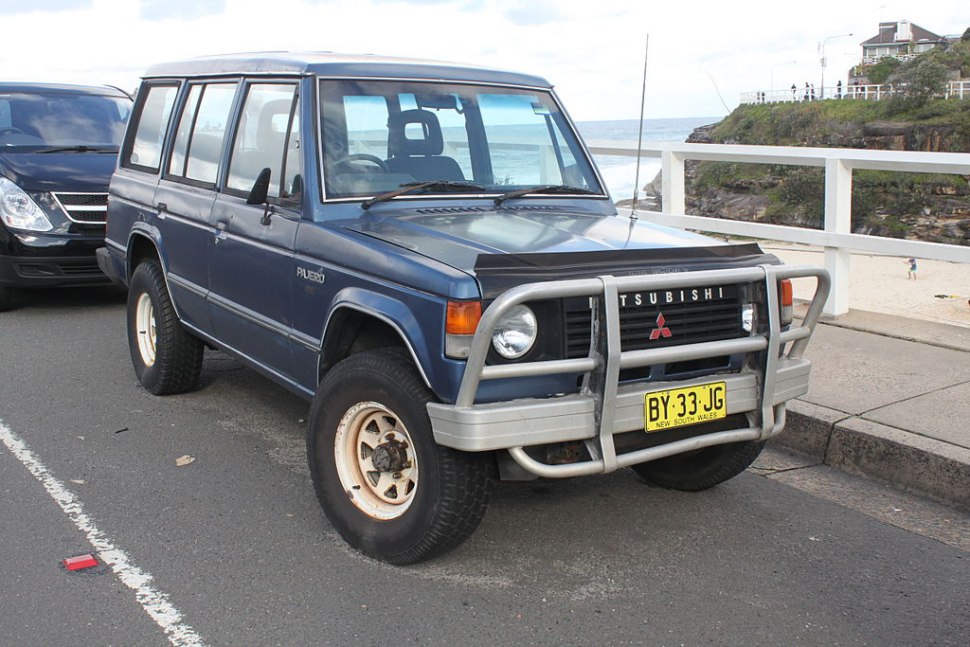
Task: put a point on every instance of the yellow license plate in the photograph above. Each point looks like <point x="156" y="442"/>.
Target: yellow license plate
<point x="686" y="406"/>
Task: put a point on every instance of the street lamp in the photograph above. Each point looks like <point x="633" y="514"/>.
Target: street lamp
<point x="773" y="73"/>
<point x="821" y="49"/>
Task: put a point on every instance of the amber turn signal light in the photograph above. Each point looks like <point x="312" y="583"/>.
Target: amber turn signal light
<point x="462" y="317"/>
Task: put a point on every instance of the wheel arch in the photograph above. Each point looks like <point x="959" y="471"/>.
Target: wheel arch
<point x="142" y="244"/>
<point x="361" y="321"/>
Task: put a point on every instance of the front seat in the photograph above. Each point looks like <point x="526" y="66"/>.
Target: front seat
<point x="420" y="157"/>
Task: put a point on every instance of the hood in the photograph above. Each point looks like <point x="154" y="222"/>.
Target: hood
<point x="69" y="171"/>
<point x="506" y="247"/>
<point x="458" y="236"/>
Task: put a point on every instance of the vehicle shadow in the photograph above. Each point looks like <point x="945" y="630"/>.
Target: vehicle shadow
<point x="65" y="298"/>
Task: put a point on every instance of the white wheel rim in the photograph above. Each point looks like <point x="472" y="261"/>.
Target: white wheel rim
<point x="367" y="432"/>
<point x="145" y="329"/>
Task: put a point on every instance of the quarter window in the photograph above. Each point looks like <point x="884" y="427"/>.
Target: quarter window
<point x="146" y="147"/>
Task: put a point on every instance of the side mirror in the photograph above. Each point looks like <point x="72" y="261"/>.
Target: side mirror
<point x="260" y="191"/>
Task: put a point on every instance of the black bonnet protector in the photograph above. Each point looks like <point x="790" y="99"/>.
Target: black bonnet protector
<point x="499" y="272"/>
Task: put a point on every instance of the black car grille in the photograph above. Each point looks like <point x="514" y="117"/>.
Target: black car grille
<point x="664" y="318"/>
<point x="88" y="208"/>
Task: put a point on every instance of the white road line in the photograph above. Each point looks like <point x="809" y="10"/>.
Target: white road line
<point x="154" y="602"/>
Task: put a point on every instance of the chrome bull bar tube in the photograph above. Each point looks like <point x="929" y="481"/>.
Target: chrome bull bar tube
<point x="591" y="414"/>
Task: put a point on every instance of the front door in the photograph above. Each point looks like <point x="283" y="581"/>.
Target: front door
<point x="252" y="266"/>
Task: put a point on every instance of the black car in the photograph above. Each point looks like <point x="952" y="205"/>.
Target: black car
<point x="58" y="148"/>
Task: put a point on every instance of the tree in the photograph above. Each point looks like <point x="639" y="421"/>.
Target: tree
<point x="879" y="73"/>
<point x="917" y="82"/>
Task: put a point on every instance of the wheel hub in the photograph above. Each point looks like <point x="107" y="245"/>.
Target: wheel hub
<point x="390" y="456"/>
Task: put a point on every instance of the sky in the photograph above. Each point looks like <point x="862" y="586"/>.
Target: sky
<point x="701" y="55"/>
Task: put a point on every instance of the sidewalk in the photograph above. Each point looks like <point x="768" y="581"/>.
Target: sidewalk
<point x="889" y="399"/>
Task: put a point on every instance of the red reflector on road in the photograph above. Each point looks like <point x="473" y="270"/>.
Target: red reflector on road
<point x="79" y="562"/>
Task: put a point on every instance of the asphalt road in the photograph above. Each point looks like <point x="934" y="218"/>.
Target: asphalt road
<point x="232" y="548"/>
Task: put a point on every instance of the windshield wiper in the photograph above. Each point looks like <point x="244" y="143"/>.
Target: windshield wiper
<point x="80" y="148"/>
<point x="414" y="187"/>
<point x="543" y="188"/>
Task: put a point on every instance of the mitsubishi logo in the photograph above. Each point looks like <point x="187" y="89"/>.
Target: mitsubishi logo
<point x="661" y="330"/>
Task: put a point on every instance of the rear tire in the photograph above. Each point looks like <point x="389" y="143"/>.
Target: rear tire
<point x="701" y="469"/>
<point x="167" y="359"/>
<point x="389" y="490"/>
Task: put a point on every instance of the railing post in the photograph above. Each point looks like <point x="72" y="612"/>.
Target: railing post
<point x="838" y="219"/>
<point x="673" y="183"/>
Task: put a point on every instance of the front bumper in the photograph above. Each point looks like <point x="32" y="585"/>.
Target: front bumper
<point x="50" y="271"/>
<point x="604" y="407"/>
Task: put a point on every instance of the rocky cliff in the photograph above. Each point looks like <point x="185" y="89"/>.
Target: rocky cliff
<point x="917" y="206"/>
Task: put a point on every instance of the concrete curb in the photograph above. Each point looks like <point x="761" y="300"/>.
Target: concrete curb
<point x="908" y="461"/>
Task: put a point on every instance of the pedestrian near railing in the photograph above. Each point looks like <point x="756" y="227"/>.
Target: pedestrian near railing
<point x="855" y="91"/>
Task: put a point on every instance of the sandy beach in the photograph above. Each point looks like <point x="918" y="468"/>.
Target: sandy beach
<point x="879" y="284"/>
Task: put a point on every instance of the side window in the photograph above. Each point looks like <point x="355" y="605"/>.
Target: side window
<point x="201" y="132"/>
<point x="145" y="148"/>
<point x="268" y="136"/>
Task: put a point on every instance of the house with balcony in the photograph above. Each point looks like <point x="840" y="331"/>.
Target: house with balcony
<point x="902" y="40"/>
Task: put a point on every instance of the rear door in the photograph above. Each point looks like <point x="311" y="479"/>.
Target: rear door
<point x="187" y="192"/>
<point x="252" y="269"/>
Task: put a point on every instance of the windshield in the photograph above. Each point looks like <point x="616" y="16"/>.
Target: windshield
<point x="381" y="135"/>
<point x="61" y="119"/>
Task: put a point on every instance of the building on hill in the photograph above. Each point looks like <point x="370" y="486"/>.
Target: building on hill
<point x="902" y="40"/>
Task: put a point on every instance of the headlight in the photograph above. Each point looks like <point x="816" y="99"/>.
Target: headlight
<point x="19" y="211"/>
<point x="515" y="332"/>
<point x="747" y="316"/>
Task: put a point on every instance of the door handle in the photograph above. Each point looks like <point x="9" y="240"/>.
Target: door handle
<point x="161" y="206"/>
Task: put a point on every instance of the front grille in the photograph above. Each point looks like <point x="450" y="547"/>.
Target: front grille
<point x="87" y="208"/>
<point x="677" y="317"/>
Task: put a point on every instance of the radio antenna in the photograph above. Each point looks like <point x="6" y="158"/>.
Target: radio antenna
<point x="643" y="100"/>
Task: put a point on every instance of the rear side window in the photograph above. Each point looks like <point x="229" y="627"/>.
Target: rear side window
<point x="153" y="115"/>
<point x="268" y="136"/>
<point x="201" y="133"/>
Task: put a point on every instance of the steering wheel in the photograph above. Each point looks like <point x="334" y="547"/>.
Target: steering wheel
<point x="360" y="157"/>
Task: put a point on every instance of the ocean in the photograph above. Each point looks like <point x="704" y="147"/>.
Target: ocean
<point x="620" y="172"/>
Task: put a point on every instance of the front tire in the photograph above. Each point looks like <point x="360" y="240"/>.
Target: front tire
<point x="701" y="469"/>
<point x="389" y="490"/>
<point x="167" y="358"/>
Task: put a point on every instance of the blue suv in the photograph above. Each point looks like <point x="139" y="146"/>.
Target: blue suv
<point x="58" y="148"/>
<point x="427" y="253"/>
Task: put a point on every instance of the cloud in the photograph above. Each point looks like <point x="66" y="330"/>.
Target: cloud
<point x="533" y="13"/>
<point x="183" y="9"/>
<point x="13" y="8"/>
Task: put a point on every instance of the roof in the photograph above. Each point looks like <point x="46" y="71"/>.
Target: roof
<point x="338" y="65"/>
<point x="887" y="34"/>
<point x="17" y="86"/>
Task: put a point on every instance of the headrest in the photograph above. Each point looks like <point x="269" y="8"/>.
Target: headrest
<point x="273" y="119"/>
<point x="424" y="140"/>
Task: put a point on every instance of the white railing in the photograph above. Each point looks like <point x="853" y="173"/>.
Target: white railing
<point x="836" y="237"/>
<point x="869" y="92"/>
<point x="875" y="58"/>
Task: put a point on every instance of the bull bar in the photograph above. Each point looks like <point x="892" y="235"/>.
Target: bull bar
<point x="603" y="407"/>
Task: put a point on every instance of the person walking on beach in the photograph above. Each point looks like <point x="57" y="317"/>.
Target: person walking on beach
<point x="838" y="89"/>
<point x="911" y="273"/>
<point x="794" y="89"/>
